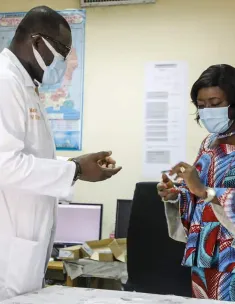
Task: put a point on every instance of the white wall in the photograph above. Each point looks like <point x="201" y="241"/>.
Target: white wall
<point x="119" y="40"/>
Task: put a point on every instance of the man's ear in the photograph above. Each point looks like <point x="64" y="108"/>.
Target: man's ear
<point x="36" y="40"/>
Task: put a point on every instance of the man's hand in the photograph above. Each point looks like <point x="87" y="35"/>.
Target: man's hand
<point x="166" y="189"/>
<point x="97" y="167"/>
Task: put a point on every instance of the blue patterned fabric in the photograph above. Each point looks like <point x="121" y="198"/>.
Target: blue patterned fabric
<point x="212" y="284"/>
<point x="209" y="244"/>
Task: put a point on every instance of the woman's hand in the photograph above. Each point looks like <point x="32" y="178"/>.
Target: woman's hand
<point x="166" y="189"/>
<point x="190" y="176"/>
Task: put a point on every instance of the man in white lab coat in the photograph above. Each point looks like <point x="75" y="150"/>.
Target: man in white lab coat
<point x="31" y="179"/>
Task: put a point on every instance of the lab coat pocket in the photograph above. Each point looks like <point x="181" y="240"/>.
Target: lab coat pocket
<point x="26" y="267"/>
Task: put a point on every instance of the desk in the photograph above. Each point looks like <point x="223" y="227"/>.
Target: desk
<point x="62" y="295"/>
<point x="92" y="270"/>
<point x="59" y="266"/>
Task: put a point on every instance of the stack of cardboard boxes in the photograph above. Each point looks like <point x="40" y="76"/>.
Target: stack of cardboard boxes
<point x="106" y="250"/>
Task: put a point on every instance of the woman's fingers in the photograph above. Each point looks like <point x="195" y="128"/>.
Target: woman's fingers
<point x="161" y="186"/>
<point x="178" y="169"/>
<point x="164" y="191"/>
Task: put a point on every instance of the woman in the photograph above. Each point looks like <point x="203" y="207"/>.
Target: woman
<point x="201" y="212"/>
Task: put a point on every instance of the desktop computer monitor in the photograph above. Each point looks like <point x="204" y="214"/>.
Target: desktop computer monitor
<point x="78" y="223"/>
<point x="122" y="218"/>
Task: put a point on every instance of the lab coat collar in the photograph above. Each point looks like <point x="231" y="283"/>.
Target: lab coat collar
<point x="25" y="75"/>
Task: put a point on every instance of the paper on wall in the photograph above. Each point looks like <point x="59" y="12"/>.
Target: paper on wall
<point x="165" y="120"/>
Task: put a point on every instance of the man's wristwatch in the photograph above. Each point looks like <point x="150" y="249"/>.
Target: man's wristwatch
<point x="78" y="171"/>
<point x="211" y="194"/>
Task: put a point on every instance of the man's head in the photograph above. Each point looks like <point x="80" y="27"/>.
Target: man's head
<point x="41" y="26"/>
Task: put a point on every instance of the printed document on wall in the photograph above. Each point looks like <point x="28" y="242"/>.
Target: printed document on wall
<point x="165" y="122"/>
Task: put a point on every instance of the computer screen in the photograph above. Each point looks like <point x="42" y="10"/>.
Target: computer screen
<point x="78" y="223"/>
<point x="122" y="218"/>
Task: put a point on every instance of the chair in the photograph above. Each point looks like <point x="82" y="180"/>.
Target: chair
<point x="153" y="259"/>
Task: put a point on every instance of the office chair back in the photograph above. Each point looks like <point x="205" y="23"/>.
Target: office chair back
<point x="153" y="259"/>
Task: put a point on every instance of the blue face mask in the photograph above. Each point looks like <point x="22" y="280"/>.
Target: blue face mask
<point x="54" y="73"/>
<point x="215" y="120"/>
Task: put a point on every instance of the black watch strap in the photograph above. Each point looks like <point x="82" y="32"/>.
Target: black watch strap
<point x="78" y="171"/>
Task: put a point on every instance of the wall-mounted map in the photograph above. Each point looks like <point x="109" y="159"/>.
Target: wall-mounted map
<point x="64" y="102"/>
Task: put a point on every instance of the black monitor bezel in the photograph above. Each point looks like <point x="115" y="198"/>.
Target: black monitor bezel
<point x="117" y="212"/>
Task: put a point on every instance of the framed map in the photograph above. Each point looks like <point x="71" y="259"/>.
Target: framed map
<point x="64" y="102"/>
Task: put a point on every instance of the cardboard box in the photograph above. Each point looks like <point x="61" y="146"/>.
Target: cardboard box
<point x="105" y="250"/>
<point x="70" y="253"/>
<point x="118" y="247"/>
<point x="98" y="250"/>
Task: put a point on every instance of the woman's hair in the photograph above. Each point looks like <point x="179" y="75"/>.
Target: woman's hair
<point x="222" y="76"/>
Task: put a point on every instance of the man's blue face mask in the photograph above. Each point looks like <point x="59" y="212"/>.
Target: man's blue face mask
<point x="53" y="73"/>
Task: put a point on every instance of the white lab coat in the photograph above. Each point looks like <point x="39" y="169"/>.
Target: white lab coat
<point x="31" y="180"/>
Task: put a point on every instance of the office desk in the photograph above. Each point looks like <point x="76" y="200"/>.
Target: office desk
<point x="59" y="266"/>
<point x="92" y="270"/>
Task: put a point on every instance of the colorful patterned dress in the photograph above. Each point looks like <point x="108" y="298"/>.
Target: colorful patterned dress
<point x="210" y="247"/>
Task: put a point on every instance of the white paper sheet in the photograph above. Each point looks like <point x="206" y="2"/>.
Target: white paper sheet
<point x="166" y="99"/>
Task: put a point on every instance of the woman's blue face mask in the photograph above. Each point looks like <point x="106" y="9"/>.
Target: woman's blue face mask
<point x="215" y="120"/>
